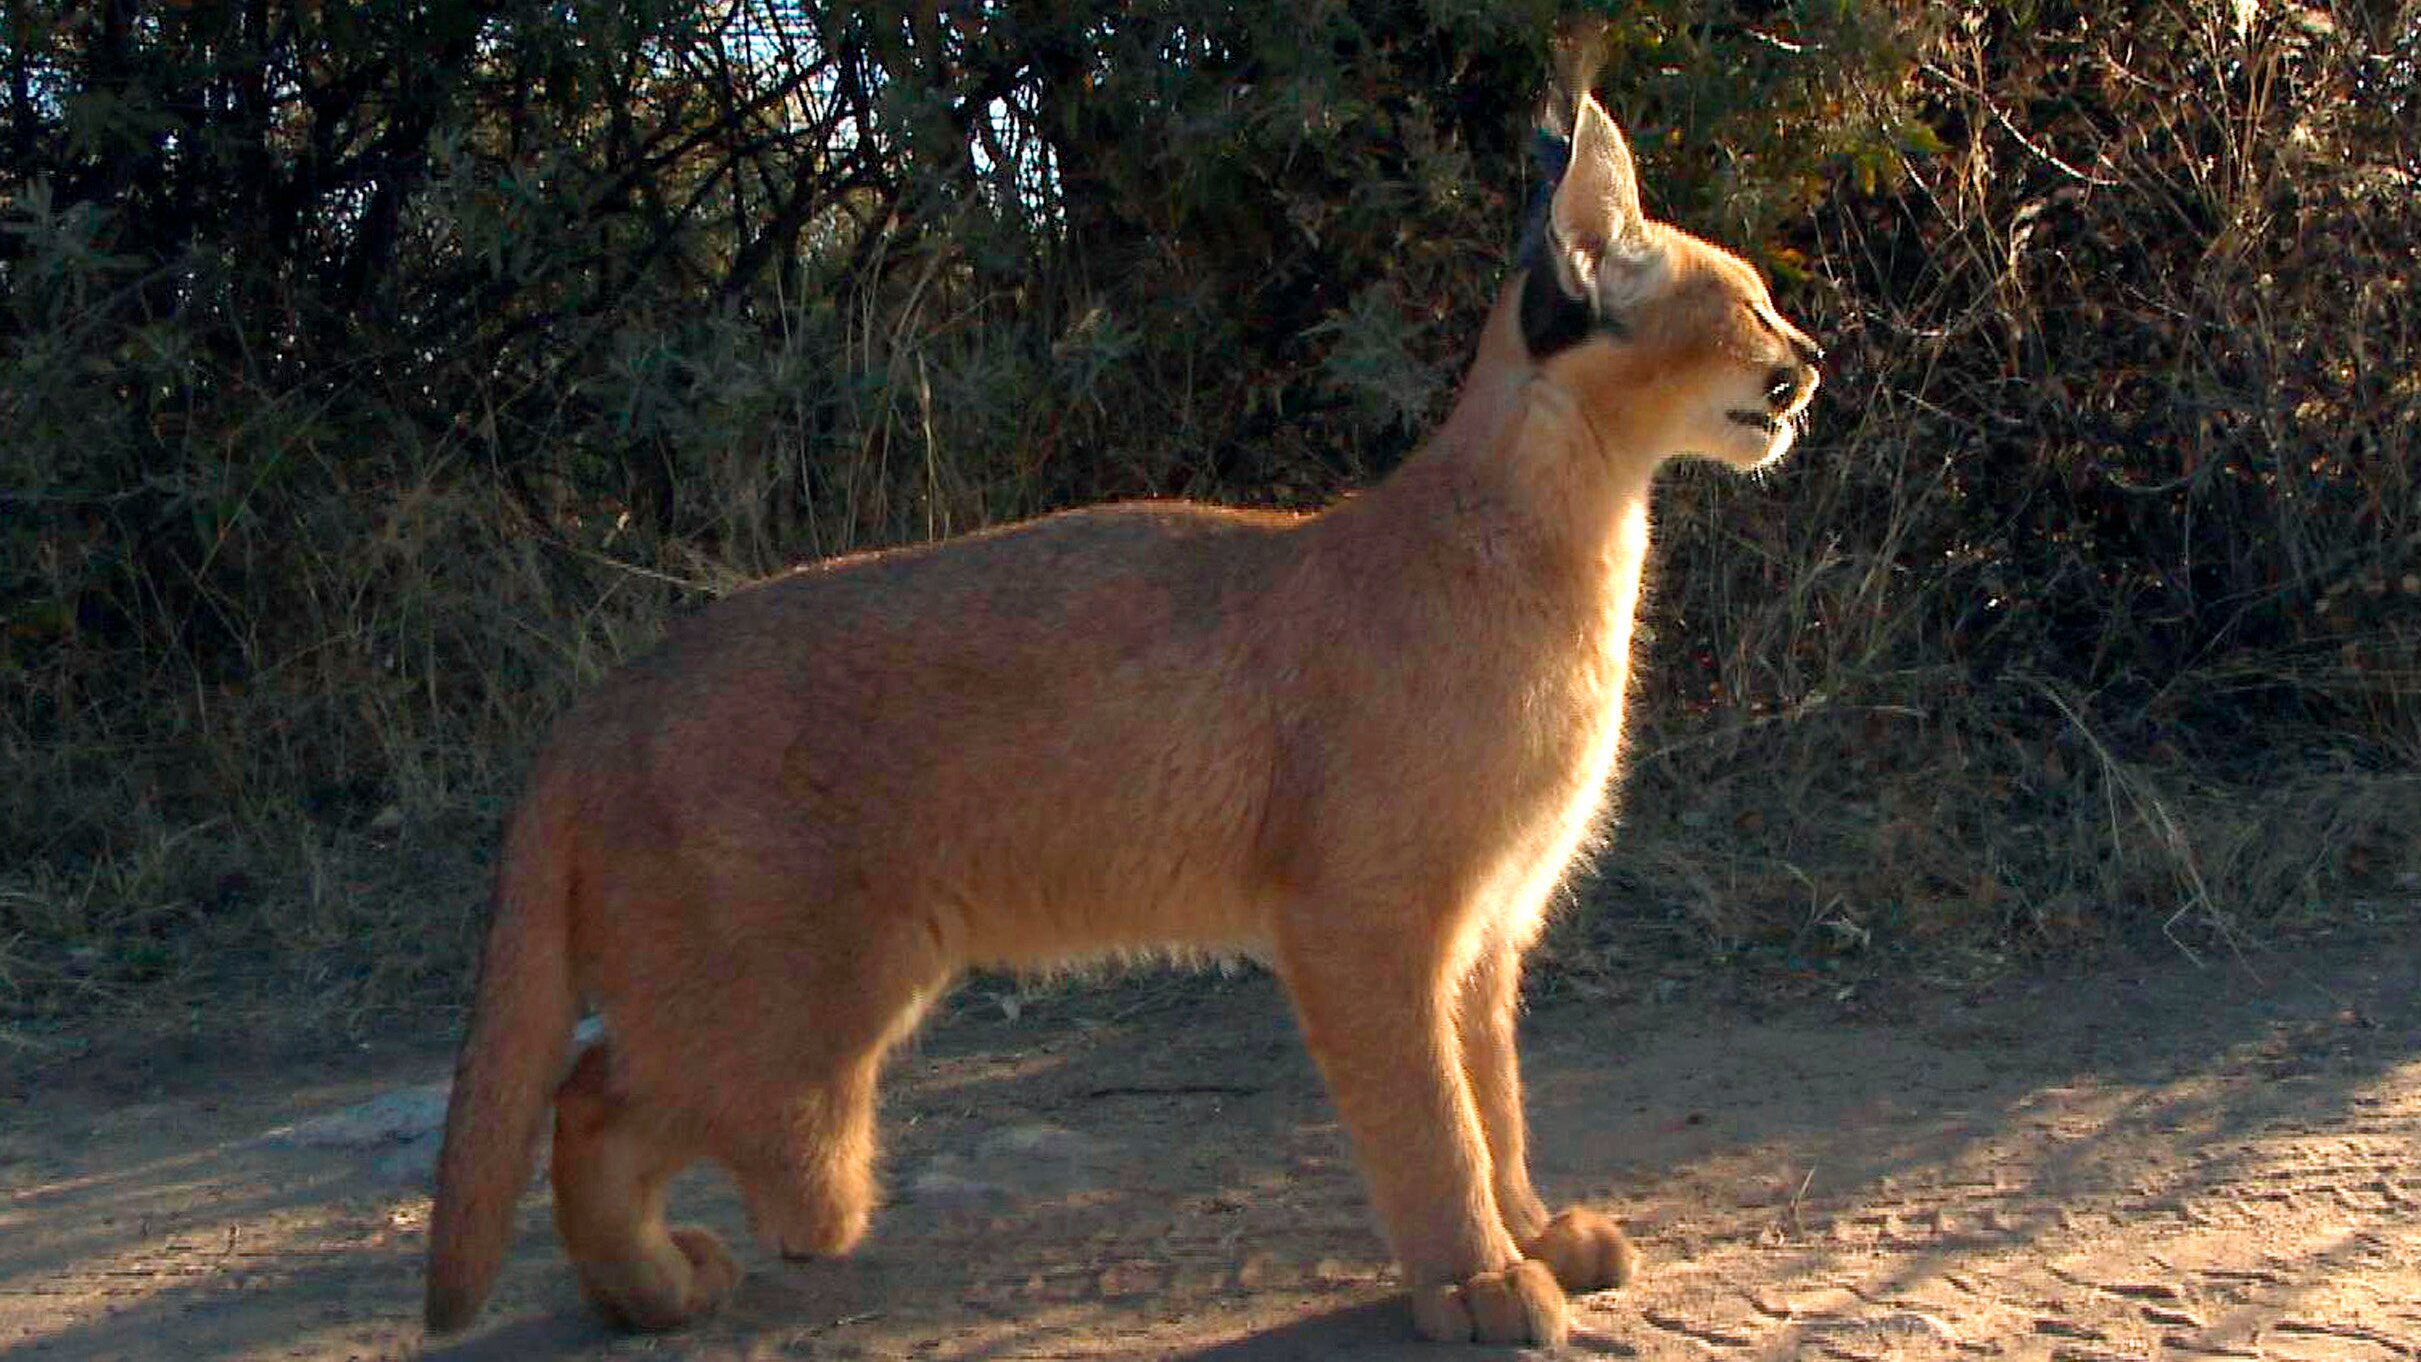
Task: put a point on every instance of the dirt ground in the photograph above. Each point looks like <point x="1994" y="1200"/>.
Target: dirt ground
<point x="2152" y="1162"/>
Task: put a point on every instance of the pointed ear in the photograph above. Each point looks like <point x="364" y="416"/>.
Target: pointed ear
<point x="1595" y="215"/>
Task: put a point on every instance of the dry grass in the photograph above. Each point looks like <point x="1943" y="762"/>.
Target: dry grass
<point x="2088" y="619"/>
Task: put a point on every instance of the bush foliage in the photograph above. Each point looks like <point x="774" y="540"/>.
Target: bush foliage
<point x="374" y="375"/>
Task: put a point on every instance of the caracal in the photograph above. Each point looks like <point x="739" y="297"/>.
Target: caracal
<point x="1363" y="745"/>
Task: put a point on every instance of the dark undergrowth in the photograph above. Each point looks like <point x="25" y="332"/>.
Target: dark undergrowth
<point x="373" y="383"/>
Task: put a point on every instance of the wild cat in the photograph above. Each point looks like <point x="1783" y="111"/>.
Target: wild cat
<point x="1364" y="745"/>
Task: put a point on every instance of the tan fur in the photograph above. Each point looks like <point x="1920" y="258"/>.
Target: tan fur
<point x="1363" y="745"/>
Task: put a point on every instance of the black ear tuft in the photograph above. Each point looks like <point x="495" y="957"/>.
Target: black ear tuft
<point x="1553" y="151"/>
<point x="1552" y="320"/>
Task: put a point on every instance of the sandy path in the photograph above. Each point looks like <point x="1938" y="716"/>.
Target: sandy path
<point x="2154" y="1163"/>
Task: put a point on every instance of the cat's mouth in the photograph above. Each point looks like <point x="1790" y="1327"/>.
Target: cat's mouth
<point x="1761" y="422"/>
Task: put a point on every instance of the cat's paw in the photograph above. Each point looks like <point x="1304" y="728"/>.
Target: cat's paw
<point x="1521" y="1304"/>
<point x="1585" y="1250"/>
<point x="665" y="1292"/>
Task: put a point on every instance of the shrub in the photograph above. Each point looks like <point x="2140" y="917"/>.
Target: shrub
<point x="377" y="376"/>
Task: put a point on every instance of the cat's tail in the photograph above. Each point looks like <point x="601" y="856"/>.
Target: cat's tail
<point x="520" y="1033"/>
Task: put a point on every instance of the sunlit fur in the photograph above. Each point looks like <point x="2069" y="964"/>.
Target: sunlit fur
<point x="1363" y="745"/>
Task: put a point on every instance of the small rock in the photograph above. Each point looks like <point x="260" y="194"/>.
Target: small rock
<point x="397" y="1117"/>
<point x="942" y="1186"/>
<point x="402" y="1129"/>
<point x="1042" y="1142"/>
<point x="1900" y="1327"/>
<point x="1044" y="1160"/>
